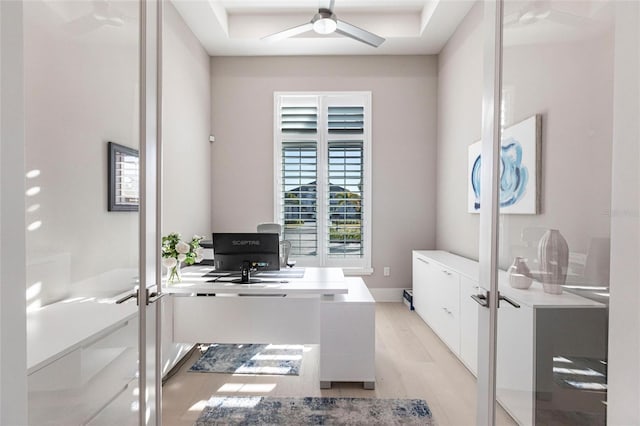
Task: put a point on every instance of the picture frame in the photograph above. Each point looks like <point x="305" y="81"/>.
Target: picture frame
<point x="520" y="180"/>
<point x="124" y="178"/>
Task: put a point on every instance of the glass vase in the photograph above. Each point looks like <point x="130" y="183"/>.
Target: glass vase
<point x="174" y="274"/>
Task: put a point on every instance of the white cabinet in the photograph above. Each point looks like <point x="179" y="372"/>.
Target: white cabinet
<point x="75" y="387"/>
<point x="421" y="299"/>
<point x="443" y="284"/>
<point x="348" y="337"/>
<point x="445" y="289"/>
<point x="82" y="360"/>
<point x="436" y="295"/>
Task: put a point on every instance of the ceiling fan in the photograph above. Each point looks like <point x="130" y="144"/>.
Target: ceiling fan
<point x="326" y="22"/>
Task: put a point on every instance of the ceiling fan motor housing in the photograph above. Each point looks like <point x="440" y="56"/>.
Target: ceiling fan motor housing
<point x="324" y="22"/>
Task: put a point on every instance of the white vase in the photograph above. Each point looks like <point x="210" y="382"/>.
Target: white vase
<point x="553" y="255"/>
<point x="519" y="274"/>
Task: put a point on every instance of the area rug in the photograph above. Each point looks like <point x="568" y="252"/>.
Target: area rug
<point x="314" y="411"/>
<point x="251" y="359"/>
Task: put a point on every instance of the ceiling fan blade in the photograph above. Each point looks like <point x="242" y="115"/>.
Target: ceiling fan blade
<point x="326" y="4"/>
<point x="359" y="34"/>
<point x="289" y="33"/>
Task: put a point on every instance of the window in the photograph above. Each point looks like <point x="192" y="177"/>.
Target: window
<point x="323" y="185"/>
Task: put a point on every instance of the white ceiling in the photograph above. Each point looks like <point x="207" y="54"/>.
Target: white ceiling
<point x="235" y="27"/>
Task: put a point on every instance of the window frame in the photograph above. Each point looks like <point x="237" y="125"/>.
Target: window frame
<point x="355" y="266"/>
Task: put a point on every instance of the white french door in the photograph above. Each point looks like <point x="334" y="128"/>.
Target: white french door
<point x="561" y="85"/>
<point x="488" y="243"/>
<point x="150" y="312"/>
<point x="90" y="217"/>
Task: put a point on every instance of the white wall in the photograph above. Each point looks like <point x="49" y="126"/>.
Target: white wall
<point x="186" y="127"/>
<point x="570" y="85"/>
<point x="403" y="144"/>
<point x="459" y="125"/>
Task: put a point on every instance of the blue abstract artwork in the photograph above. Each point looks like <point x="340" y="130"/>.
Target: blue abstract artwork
<point x="519" y="157"/>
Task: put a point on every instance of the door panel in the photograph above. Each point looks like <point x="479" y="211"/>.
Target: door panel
<point x="83" y="225"/>
<point x="555" y="158"/>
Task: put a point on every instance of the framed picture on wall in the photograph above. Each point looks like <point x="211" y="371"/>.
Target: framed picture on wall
<point x="519" y="169"/>
<point x="124" y="178"/>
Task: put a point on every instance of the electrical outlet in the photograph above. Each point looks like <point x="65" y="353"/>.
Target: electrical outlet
<point x="387" y="271"/>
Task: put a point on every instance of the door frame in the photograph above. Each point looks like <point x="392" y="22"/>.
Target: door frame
<point x="13" y="316"/>
<point x="13" y="333"/>
<point x="150" y="216"/>
<point x="489" y="212"/>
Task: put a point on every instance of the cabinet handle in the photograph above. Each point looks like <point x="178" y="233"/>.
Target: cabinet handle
<point x="422" y="260"/>
<point x="446" y="272"/>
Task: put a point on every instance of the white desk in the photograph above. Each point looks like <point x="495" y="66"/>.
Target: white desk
<point x="322" y="308"/>
<point x="329" y="281"/>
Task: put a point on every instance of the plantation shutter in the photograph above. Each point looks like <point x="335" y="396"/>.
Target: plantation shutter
<point x="323" y="190"/>
<point x="346" y="120"/>
<point x="299" y="196"/>
<point x="299" y="120"/>
<point x="299" y="177"/>
<point x="345" y="181"/>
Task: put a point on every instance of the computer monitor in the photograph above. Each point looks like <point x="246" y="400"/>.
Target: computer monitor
<point x="246" y="252"/>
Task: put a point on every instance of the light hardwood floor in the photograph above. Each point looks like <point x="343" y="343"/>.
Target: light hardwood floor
<point x="411" y="362"/>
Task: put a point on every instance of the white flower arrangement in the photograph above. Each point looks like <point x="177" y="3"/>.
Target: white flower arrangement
<point x="175" y="252"/>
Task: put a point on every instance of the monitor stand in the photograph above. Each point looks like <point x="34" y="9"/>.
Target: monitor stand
<point x="245" y="275"/>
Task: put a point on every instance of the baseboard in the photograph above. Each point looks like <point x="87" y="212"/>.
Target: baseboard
<point x="386" y="294"/>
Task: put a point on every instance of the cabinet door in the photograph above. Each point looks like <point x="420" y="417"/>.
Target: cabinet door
<point x="87" y="379"/>
<point x="421" y="270"/>
<point x="514" y="375"/>
<point x="469" y="324"/>
<point x="446" y="285"/>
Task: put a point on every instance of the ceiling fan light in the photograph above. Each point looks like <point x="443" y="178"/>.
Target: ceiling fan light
<point x="324" y="22"/>
<point x="324" y="25"/>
